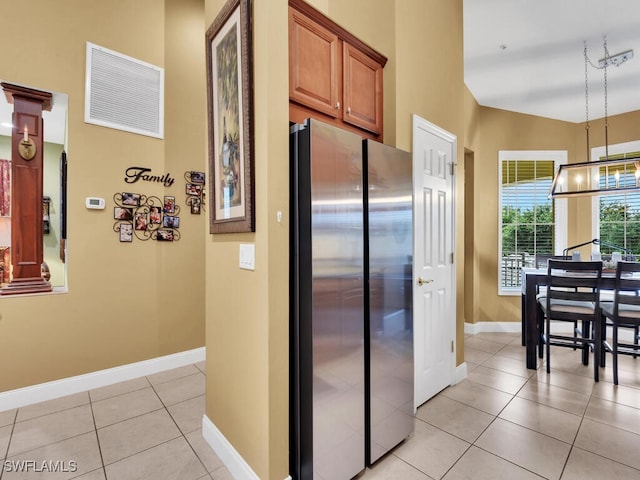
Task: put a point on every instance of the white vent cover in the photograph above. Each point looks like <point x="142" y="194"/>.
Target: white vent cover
<point x="123" y="93"/>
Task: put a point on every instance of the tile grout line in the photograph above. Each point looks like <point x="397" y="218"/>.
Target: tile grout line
<point x="573" y="443"/>
<point x="178" y="426"/>
<point x="140" y="415"/>
<point x="6" y="453"/>
<point x="406" y="463"/>
<point x="90" y="403"/>
<point x="513" y="396"/>
<point x="591" y="396"/>
<point x="95" y="427"/>
<point x="473" y="443"/>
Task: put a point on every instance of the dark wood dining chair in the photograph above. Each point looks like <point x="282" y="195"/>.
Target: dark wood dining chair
<point x="542" y="261"/>
<point x="623" y="312"/>
<point x="573" y="296"/>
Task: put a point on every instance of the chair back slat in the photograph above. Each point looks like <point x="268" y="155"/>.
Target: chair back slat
<point x="627" y="285"/>
<point x="573" y="281"/>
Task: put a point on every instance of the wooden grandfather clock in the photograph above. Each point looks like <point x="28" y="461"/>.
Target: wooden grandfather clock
<point x="27" y="153"/>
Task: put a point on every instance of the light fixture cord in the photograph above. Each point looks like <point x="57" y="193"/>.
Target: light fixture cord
<point x="586" y="97"/>
<point x="606" y="61"/>
<point x="606" y="117"/>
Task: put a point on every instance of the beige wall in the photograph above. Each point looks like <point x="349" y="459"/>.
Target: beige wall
<point x="247" y="312"/>
<point x="503" y="130"/>
<point x="471" y="142"/>
<point x="126" y="302"/>
<point x="430" y="83"/>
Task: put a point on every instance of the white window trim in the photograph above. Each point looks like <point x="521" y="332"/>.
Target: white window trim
<point x="559" y="157"/>
<point x="596" y="154"/>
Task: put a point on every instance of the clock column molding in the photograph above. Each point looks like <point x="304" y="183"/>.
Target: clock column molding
<point x="27" y="153"/>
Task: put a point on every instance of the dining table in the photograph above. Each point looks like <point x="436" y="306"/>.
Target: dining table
<point x="532" y="280"/>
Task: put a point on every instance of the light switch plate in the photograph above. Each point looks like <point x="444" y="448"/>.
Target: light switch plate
<point x="247" y="256"/>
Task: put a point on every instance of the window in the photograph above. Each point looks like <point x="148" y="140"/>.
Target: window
<point x="528" y="218"/>
<point x="617" y="216"/>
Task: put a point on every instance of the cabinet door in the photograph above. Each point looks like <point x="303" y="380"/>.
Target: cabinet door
<point x="362" y="88"/>
<point x="314" y="65"/>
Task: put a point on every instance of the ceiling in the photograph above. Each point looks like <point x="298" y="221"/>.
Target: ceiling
<point x="542" y="69"/>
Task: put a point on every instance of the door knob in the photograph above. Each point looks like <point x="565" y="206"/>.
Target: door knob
<point x="422" y="281"/>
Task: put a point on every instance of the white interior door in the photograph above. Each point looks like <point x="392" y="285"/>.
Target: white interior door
<point x="433" y="268"/>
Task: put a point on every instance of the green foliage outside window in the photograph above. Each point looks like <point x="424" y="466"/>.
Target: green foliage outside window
<point x="527" y="230"/>
<point x="619" y="225"/>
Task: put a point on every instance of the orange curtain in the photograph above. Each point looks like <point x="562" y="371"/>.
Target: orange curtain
<point x="5" y="188"/>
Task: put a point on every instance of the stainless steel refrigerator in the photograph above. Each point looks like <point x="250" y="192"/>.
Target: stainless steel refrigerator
<point x="351" y="325"/>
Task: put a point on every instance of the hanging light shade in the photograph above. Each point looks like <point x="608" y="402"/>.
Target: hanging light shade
<point x="605" y="176"/>
<point x="600" y="177"/>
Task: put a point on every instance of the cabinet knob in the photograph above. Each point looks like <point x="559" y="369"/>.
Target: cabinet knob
<point x="349" y="110"/>
<point x="337" y="105"/>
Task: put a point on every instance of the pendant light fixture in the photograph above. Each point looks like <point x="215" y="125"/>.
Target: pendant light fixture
<point x="609" y="174"/>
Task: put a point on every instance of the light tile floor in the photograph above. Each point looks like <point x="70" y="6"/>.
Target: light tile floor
<point x="502" y="422"/>
<point x="147" y="428"/>
<point x="506" y="422"/>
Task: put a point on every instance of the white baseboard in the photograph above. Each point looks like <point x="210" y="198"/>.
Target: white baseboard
<point x="239" y="468"/>
<point x="503" y="327"/>
<point x="461" y="372"/>
<point x="81" y="383"/>
<point x="492" y="327"/>
<point x="626" y="334"/>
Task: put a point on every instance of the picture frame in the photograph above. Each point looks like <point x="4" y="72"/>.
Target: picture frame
<point x="123" y="213"/>
<point x="169" y="204"/>
<point x="197" y="177"/>
<point x="155" y="214"/>
<point x="131" y="199"/>
<point x="230" y="113"/>
<point x="165" y="235"/>
<point x="196" y="205"/>
<point x="169" y="221"/>
<point x="142" y="221"/>
<point x="126" y="232"/>
<point x="193" y="189"/>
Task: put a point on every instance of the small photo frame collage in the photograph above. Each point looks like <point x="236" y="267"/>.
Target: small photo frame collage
<point x="195" y="191"/>
<point x="150" y="218"/>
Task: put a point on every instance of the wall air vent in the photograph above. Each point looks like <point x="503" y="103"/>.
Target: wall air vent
<point x="123" y="93"/>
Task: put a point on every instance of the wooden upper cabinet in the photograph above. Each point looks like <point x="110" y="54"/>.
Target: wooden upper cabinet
<point x="362" y="87"/>
<point x="314" y="65"/>
<point x="333" y="76"/>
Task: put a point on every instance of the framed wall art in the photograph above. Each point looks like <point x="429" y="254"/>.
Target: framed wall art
<point x="230" y="109"/>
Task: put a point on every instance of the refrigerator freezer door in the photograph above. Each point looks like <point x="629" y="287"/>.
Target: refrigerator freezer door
<point x="328" y="243"/>
<point x="390" y="328"/>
